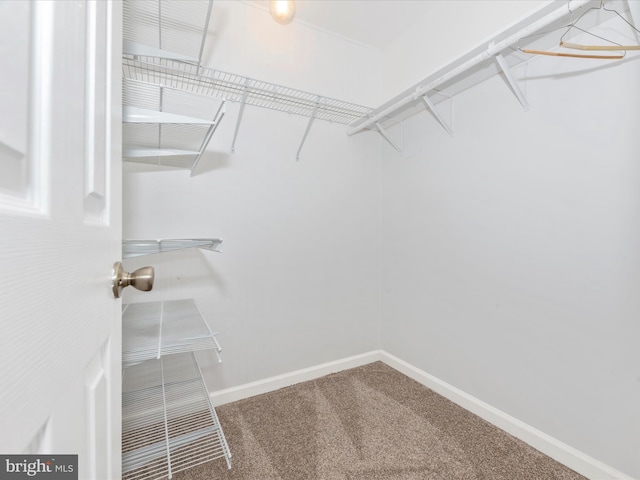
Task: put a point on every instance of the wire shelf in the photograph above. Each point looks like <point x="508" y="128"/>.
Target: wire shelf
<point x="136" y="137"/>
<point x="166" y="99"/>
<point x="169" y="423"/>
<point x="236" y="88"/>
<point x="153" y="329"/>
<point x="166" y="28"/>
<point x="161" y="122"/>
<point x="137" y="248"/>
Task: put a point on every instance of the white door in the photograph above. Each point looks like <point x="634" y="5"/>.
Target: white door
<point x="60" y="231"/>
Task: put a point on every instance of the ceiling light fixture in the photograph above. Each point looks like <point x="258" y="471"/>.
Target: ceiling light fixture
<point x="282" y="11"/>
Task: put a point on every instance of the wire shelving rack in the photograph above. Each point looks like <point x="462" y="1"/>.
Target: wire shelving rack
<point x="163" y="47"/>
<point x="237" y="88"/>
<point x="169" y="423"/>
<point x="170" y="29"/>
<point x="136" y="248"/>
<point x="161" y="123"/>
<point x="155" y="329"/>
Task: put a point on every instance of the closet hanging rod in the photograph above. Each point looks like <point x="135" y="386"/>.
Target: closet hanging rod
<point x="599" y="48"/>
<point x="443" y="75"/>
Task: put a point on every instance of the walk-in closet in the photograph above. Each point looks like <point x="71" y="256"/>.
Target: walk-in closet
<point x="321" y="239"/>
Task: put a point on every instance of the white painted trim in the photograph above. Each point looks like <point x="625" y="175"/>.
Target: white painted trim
<point x="270" y="384"/>
<point x="559" y="451"/>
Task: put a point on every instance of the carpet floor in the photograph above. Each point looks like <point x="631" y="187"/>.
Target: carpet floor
<point x="367" y="423"/>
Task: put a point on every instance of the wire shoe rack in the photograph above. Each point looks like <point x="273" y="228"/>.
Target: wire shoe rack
<point x="156" y="329"/>
<point x="135" y="248"/>
<point x="169" y="423"/>
<point x="172" y="107"/>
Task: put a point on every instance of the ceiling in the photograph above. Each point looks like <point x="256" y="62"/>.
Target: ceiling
<point x="373" y="23"/>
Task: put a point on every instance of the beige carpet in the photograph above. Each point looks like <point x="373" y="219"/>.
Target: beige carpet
<point x="367" y="423"/>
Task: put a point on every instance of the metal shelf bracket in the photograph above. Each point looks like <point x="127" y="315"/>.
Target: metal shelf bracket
<point x="504" y="66"/>
<point x="434" y="112"/>
<point x="384" y="134"/>
<point x="212" y="129"/>
<point x="306" y="132"/>
<point x="243" y="102"/>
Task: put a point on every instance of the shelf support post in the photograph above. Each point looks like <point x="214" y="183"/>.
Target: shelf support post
<point x="204" y="35"/>
<point x="384" y="134"/>
<point x="432" y="109"/>
<point x="166" y="421"/>
<point x="240" y="113"/>
<point x="504" y="66"/>
<point x="212" y="129"/>
<point x="306" y="132"/>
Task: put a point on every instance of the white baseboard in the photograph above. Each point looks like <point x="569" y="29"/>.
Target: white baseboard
<point x="279" y="381"/>
<point x="559" y="451"/>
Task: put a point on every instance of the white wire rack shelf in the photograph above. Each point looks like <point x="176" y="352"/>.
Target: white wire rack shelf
<point x="169" y="424"/>
<point x="170" y="29"/>
<point x="161" y="123"/>
<point x="137" y="248"/>
<point x="541" y="30"/>
<point x="153" y="329"/>
<point x="236" y="88"/>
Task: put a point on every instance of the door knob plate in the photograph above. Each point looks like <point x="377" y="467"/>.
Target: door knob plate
<point x="142" y="279"/>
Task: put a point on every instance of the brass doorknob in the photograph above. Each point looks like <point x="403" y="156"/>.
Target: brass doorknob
<point x="142" y="279"/>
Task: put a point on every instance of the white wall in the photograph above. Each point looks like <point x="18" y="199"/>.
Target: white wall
<point x="298" y="282"/>
<point x="244" y="39"/>
<point x="451" y="29"/>
<point x="510" y="252"/>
